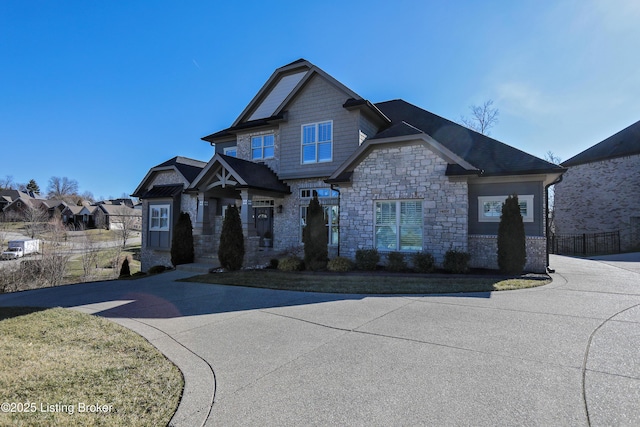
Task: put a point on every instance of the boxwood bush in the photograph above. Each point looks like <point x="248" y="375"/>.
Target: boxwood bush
<point x="290" y="264"/>
<point x="340" y="264"/>
<point x="423" y="262"/>
<point x="367" y="259"/>
<point x="456" y="262"/>
<point x="396" y="261"/>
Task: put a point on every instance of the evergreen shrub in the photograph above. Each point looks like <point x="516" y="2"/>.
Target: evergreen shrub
<point x="423" y="262"/>
<point x="396" y="261"/>
<point x="340" y="264"/>
<point x="456" y="262"/>
<point x="367" y="259"/>
<point x="182" y="248"/>
<point x="315" y="236"/>
<point x="512" y="250"/>
<point x="291" y="263"/>
<point x="231" y="251"/>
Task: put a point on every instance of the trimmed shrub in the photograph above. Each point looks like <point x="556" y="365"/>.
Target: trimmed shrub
<point x="512" y="249"/>
<point x="456" y="262"/>
<point x="290" y="264"/>
<point x="315" y="236"/>
<point x="231" y="251"/>
<point x="125" y="271"/>
<point x="182" y="250"/>
<point x="396" y="261"/>
<point x="340" y="264"/>
<point x="367" y="259"/>
<point x="273" y="263"/>
<point x="423" y="262"/>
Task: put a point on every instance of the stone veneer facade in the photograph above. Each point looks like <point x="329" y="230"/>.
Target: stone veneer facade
<point x="484" y="252"/>
<point x="599" y="197"/>
<point x="148" y="256"/>
<point x="407" y="172"/>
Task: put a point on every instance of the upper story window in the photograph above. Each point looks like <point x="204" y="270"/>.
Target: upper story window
<point x="231" y="151"/>
<point x="262" y="147"/>
<point x="317" y="141"/>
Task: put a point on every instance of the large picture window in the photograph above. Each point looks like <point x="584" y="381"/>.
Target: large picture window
<point x="490" y="208"/>
<point x="262" y="147"/>
<point x="317" y="141"/>
<point x="159" y="218"/>
<point x="399" y="225"/>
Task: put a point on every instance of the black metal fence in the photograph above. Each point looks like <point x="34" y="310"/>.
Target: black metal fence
<point x="585" y="244"/>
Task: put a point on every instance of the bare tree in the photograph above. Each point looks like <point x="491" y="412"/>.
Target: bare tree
<point x="61" y="188"/>
<point x="89" y="258"/>
<point x="7" y="183"/>
<point x="482" y="118"/>
<point x="34" y="219"/>
<point x="126" y="223"/>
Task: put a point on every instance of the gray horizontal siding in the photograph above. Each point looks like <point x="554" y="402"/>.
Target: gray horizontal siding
<point x="318" y="101"/>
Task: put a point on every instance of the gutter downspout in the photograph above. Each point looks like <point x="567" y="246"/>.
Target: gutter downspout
<point x="546" y="215"/>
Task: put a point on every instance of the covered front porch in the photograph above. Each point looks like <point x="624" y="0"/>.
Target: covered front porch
<point x="253" y="188"/>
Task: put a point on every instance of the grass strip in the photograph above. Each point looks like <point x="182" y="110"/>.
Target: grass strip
<point x="367" y="283"/>
<point x="58" y="362"/>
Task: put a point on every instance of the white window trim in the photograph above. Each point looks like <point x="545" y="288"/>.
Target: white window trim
<point x="227" y="149"/>
<point x="262" y="146"/>
<point x="329" y="222"/>
<point x="527" y="198"/>
<point x="316" y="143"/>
<point x="160" y="207"/>
<point x="398" y="203"/>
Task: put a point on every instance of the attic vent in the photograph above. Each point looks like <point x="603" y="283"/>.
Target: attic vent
<point x="278" y="94"/>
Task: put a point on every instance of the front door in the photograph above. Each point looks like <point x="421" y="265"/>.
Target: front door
<point x="264" y="221"/>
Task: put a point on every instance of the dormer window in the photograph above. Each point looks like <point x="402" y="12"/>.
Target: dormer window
<point x="262" y="147"/>
<point x="317" y="141"/>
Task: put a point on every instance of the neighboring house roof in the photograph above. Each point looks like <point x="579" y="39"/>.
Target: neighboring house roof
<point x="188" y="168"/>
<point x="247" y="174"/>
<point x="624" y="143"/>
<point x="73" y="209"/>
<point x="119" y="210"/>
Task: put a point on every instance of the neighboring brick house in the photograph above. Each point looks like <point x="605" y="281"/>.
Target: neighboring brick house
<point x="390" y="176"/>
<point x="600" y="191"/>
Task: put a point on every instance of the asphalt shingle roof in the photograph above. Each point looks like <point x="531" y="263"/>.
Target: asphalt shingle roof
<point x="624" y="143"/>
<point x="487" y="154"/>
<point x="256" y="175"/>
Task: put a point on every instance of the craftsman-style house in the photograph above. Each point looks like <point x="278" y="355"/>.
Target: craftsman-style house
<point x="389" y="175"/>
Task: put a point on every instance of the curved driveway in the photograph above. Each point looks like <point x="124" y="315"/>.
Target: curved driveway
<point x="563" y="354"/>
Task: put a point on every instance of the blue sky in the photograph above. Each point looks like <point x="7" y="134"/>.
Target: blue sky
<point x="101" y="91"/>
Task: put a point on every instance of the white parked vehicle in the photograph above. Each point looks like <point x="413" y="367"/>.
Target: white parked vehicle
<point x="20" y="248"/>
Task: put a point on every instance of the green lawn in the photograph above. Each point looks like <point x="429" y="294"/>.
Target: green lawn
<point x="368" y="283"/>
<point x="54" y="361"/>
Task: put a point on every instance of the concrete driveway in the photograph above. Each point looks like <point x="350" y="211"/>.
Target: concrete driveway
<point x="563" y="354"/>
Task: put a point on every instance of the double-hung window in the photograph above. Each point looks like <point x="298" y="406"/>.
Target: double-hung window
<point x="317" y="142"/>
<point x="262" y="147"/>
<point x="159" y="218"/>
<point x="399" y="225"/>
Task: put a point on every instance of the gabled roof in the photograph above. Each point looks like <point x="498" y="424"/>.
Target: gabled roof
<point x="119" y="210"/>
<point x="188" y="168"/>
<point x="269" y="105"/>
<point x="243" y="173"/>
<point x="466" y="151"/>
<point x="624" y="143"/>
